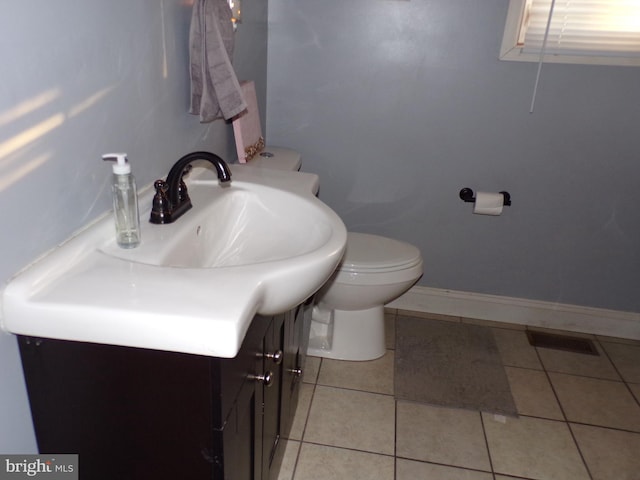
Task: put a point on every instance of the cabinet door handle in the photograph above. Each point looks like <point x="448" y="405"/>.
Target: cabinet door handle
<point x="266" y="378"/>
<point x="275" y="356"/>
<point x="296" y="371"/>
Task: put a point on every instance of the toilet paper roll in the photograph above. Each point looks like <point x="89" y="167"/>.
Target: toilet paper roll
<point x="488" y="203"/>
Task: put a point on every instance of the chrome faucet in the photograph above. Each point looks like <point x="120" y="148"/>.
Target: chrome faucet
<point x="172" y="200"/>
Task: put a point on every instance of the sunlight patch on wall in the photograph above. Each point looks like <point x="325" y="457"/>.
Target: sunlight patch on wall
<point x="30" y="135"/>
<point x="89" y="101"/>
<point x="165" y="69"/>
<point x="13" y="164"/>
<point x="29" y="106"/>
<point x="23" y="170"/>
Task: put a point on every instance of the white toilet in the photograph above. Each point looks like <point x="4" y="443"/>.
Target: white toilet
<point x="348" y="318"/>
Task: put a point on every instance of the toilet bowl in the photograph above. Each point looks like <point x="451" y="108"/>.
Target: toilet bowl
<point x="348" y="318"/>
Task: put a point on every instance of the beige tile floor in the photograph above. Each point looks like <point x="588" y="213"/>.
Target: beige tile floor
<point x="579" y="418"/>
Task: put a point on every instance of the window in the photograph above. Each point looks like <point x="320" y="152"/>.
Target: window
<point x="604" y="32"/>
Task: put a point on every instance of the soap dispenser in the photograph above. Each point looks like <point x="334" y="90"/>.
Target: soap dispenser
<point x="125" y="201"/>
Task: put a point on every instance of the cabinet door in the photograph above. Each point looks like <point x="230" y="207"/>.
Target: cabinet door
<point x="242" y="435"/>
<point x="296" y="343"/>
<point x="242" y="388"/>
<point x="129" y="413"/>
<point x="291" y="368"/>
<point x="272" y="394"/>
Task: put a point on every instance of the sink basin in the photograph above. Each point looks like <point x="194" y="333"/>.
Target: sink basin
<point x="243" y="224"/>
<point x="262" y="244"/>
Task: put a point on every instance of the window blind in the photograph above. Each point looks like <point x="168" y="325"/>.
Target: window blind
<point x="582" y="27"/>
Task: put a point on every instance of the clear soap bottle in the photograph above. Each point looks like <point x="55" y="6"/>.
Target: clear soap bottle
<point x="125" y="201"/>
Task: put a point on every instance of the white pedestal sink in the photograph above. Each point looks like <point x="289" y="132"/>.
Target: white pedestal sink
<point x="262" y="244"/>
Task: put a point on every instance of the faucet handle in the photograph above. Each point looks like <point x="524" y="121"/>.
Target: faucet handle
<point x="161" y="208"/>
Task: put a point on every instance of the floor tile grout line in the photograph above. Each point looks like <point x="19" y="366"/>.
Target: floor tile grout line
<point x="356" y="390"/>
<point x="553" y="389"/>
<point x="395" y="439"/>
<point x="506" y="475"/>
<point x="523" y="368"/>
<point x="564" y="415"/>
<point x="325" y="384"/>
<point x="587" y="377"/>
<point x="621" y="380"/>
<point x="395" y="404"/>
<point x="626" y="384"/>
<point x="594" y="425"/>
<point x="619" y="340"/>
<point x="608" y="357"/>
<point x="486" y="444"/>
<point x="468" y="469"/>
<point x="306" y="420"/>
<point x="295" y="463"/>
<point x="637" y="399"/>
<point x="388" y="455"/>
<point x="584" y="460"/>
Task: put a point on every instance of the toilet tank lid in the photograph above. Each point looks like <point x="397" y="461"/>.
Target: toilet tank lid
<point x="370" y="252"/>
<point x="277" y="158"/>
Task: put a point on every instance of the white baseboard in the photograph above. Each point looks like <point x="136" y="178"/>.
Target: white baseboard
<point x="536" y="313"/>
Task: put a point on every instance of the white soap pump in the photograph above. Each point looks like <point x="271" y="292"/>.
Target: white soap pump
<point x="125" y="201"/>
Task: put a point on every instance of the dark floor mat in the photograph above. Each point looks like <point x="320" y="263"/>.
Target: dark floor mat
<point x="450" y="364"/>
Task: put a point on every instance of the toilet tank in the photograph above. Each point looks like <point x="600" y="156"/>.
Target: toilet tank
<point x="277" y="158"/>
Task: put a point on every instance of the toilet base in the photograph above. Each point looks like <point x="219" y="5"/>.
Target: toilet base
<point x="347" y="334"/>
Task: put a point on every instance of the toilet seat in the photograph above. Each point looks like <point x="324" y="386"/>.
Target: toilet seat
<point x="366" y="253"/>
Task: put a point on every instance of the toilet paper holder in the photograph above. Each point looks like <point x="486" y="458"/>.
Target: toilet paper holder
<point x="467" y="195"/>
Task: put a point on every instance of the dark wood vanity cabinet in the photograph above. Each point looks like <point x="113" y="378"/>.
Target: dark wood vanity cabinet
<point x="145" y="414"/>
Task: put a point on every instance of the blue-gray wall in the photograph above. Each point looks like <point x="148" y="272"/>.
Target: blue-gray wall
<point x="400" y="104"/>
<point x="80" y="79"/>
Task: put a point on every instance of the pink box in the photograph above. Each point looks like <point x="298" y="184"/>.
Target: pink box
<point x="246" y="126"/>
